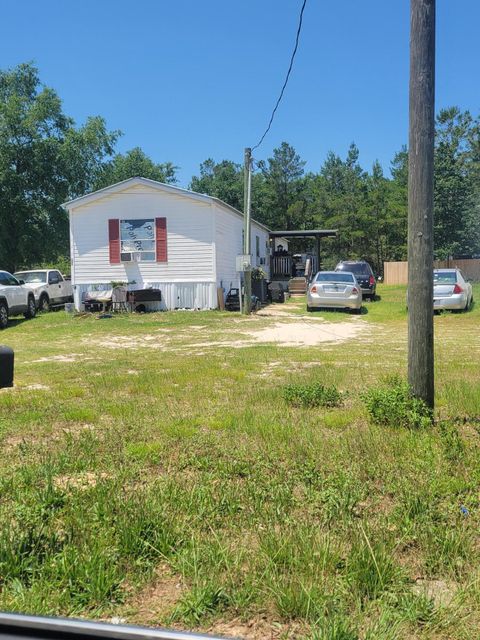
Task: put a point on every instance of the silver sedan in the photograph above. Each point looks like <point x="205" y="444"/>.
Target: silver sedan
<point x="451" y="290"/>
<point x="334" y="289"/>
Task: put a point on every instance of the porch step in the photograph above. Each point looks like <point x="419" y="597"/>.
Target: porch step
<point x="297" y="286"/>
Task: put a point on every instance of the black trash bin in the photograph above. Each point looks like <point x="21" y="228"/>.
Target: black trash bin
<point x="259" y="289"/>
<point x="6" y="366"/>
<point x="276" y="291"/>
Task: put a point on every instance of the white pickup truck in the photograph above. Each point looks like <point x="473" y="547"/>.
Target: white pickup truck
<point x="48" y="286"/>
<point x="15" y="299"/>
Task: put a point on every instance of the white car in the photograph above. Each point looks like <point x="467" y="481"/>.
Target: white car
<point x="338" y="289"/>
<point x="49" y="287"/>
<point x="451" y="290"/>
<point x="15" y="299"/>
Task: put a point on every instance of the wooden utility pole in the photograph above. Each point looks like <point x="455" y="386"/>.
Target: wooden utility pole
<point x="247" y="200"/>
<point x="420" y="199"/>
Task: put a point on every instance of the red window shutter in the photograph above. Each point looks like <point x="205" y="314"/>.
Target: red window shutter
<point x="114" y="241"/>
<point x="161" y="239"/>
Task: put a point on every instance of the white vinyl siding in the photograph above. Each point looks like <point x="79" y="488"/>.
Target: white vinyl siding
<point x="189" y="238"/>
<point x="229" y="244"/>
<point x="204" y="236"/>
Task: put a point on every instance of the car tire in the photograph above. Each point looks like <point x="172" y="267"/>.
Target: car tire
<point x="44" y="303"/>
<point x="309" y="308"/>
<point x="357" y="312"/>
<point x="3" y="315"/>
<point x="31" y="311"/>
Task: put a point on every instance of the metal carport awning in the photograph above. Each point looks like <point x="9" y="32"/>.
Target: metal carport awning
<point x="307" y="233"/>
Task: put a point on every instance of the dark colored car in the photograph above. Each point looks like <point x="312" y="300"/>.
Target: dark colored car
<point x="363" y="273"/>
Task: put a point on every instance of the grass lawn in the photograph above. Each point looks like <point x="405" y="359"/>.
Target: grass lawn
<point x="153" y="470"/>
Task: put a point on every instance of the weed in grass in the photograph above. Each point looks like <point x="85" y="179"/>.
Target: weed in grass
<point x="452" y="443"/>
<point x="333" y="627"/>
<point x="386" y="627"/>
<point x="303" y="548"/>
<point x="296" y="599"/>
<point x="416" y="609"/>
<point x="312" y="395"/>
<point x="150" y="452"/>
<point x="23" y="551"/>
<point x="200" y="604"/>
<point x="446" y="550"/>
<point x="144" y="530"/>
<point x="91" y="574"/>
<point x="394" y="405"/>
<point x="370" y="569"/>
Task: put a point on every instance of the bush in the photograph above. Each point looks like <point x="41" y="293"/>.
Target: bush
<point x="312" y="395"/>
<point x="394" y="405"/>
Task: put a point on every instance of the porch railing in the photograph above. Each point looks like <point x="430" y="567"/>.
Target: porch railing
<point x="281" y="266"/>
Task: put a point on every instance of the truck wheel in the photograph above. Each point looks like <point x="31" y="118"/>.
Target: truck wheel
<point x="3" y="315"/>
<point x="44" y="304"/>
<point x="31" y="308"/>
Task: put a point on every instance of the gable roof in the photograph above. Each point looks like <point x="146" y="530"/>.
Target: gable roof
<point x="160" y="186"/>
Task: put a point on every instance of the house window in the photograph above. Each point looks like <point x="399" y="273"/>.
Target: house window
<point x="137" y="240"/>
<point x="257" y="246"/>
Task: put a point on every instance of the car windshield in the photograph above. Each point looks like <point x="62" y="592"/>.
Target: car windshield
<point x="32" y="276"/>
<point x="355" y="267"/>
<point x="333" y="276"/>
<point x="444" y="277"/>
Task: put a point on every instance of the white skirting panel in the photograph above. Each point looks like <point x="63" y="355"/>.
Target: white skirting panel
<point x="175" y="295"/>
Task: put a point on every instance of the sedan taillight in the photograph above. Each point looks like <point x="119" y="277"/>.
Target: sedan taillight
<point x="457" y="288"/>
<point x="313" y="289"/>
<point x="354" y="290"/>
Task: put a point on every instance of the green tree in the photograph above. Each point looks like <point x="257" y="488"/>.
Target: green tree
<point x="456" y="170"/>
<point x="44" y="161"/>
<point x="223" y="180"/>
<point x="132" y="164"/>
<point x="286" y="201"/>
<point x="340" y="202"/>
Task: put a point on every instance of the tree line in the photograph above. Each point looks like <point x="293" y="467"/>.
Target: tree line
<point x="45" y="160"/>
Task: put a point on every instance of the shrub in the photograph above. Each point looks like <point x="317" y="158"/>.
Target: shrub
<point x="312" y="395"/>
<point x="394" y="405"/>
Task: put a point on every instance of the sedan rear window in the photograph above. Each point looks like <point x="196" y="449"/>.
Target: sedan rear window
<point x="359" y="268"/>
<point x="334" y="277"/>
<point x="444" y="277"/>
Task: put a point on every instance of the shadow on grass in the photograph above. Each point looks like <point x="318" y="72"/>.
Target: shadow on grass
<point x="15" y="322"/>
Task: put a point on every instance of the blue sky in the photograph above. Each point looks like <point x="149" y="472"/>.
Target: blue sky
<point x="187" y="80"/>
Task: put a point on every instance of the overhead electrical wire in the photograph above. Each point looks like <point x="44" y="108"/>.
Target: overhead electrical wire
<point x="292" y="58"/>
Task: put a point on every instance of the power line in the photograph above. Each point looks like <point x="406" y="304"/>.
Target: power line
<point x="299" y="29"/>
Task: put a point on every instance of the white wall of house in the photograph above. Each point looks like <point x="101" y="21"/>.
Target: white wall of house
<point x="229" y="244"/>
<point x="204" y="236"/>
<point x="189" y="273"/>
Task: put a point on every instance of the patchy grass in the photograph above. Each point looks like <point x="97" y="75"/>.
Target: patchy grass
<point x="153" y="471"/>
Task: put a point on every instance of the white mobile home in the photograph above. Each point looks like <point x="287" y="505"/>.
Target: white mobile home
<point x="150" y="234"/>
